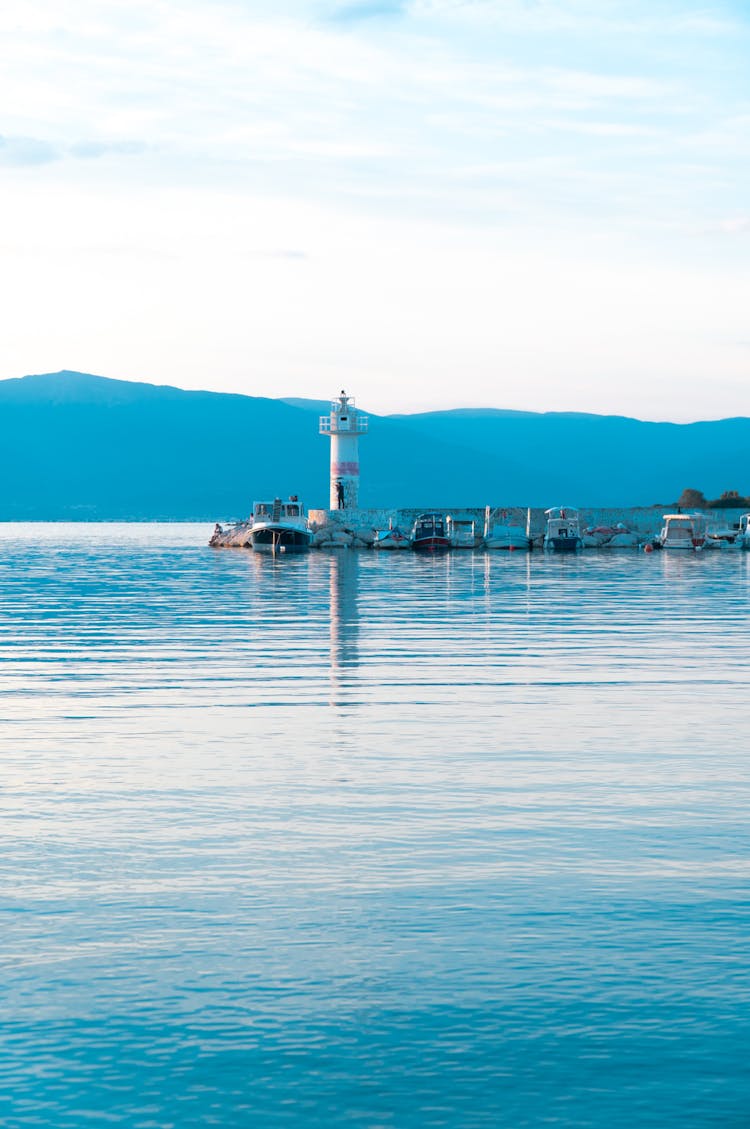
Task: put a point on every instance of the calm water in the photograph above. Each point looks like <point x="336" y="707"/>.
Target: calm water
<point x="371" y="840"/>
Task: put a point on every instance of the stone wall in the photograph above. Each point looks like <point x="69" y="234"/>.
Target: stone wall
<point x="646" y="521"/>
<point x="357" y="527"/>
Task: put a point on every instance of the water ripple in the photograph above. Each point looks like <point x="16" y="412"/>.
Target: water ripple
<point x="370" y="840"/>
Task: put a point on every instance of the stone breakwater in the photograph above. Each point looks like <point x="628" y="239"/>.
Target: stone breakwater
<point x="644" y="521"/>
<point x="357" y="528"/>
<point x="233" y="537"/>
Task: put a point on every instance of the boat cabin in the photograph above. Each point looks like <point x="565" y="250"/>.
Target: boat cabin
<point x="430" y="533"/>
<point x="462" y="532"/>
<point x="683" y="531"/>
<point x="291" y="511"/>
<point x="430" y="525"/>
<point x="563" y="532"/>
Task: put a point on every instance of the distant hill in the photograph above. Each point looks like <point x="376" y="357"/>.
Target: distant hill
<point x="77" y="446"/>
<point x="317" y="407"/>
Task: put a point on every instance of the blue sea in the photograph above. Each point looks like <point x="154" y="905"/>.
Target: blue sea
<point x="369" y="840"/>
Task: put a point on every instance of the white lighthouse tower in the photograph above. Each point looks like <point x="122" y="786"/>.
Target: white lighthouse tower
<point x="344" y="425"/>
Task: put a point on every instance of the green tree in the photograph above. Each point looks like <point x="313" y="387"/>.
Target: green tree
<point x="730" y="499"/>
<point x="691" y="499"/>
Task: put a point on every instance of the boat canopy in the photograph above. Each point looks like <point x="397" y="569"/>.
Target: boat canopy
<point x="686" y="520"/>
<point x="278" y="510"/>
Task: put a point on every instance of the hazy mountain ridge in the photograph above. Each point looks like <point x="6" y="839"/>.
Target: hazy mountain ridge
<point x="76" y="445"/>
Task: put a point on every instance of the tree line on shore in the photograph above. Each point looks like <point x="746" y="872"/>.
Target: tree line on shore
<point x="692" y="499"/>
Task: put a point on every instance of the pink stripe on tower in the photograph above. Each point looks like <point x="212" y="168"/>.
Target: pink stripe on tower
<point x="345" y="468"/>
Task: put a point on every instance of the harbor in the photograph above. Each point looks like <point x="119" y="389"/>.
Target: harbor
<point x="376" y="479"/>
<point x="281" y="526"/>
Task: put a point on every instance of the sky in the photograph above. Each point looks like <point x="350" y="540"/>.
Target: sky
<point x="527" y="204"/>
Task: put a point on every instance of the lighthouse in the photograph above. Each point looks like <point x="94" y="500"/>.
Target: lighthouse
<point x="344" y="425"/>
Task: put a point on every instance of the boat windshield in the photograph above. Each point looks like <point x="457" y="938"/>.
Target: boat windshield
<point x="430" y="527"/>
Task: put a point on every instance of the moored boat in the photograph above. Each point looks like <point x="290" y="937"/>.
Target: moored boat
<point x="429" y="534"/>
<point x="500" y="533"/>
<point x="686" y="532"/>
<point x="391" y="538"/>
<point x="280" y="527"/>
<point x="462" y="532"/>
<point x="563" y="530"/>
<point x="724" y="537"/>
<point x="743" y="532"/>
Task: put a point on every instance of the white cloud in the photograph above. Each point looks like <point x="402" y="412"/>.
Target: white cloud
<point x="261" y="196"/>
<point x="26" y="151"/>
<point x="735" y="225"/>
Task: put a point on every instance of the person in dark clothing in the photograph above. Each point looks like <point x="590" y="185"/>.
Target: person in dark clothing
<point x="340" y="493"/>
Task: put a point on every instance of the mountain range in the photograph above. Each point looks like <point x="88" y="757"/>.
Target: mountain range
<point x="81" y="447"/>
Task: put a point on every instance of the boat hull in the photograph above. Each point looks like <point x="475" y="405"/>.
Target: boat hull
<point x="280" y="539"/>
<point x="562" y="544"/>
<point x="430" y="544"/>
<point x="503" y="546"/>
<point x="508" y="538"/>
<point x="430" y="534"/>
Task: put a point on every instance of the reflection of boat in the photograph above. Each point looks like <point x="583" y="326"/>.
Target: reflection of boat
<point x="501" y="535"/>
<point x="462" y="532"/>
<point x="391" y="538"/>
<point x="429" y="534"/>
<point x="563" y="532"/>
<point x="280" y="527"/>
<point x="682" y="531"/>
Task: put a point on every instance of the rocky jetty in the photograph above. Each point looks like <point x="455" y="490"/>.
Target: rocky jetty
<point x="334" y="529"/>
<point x="232" y="537"/>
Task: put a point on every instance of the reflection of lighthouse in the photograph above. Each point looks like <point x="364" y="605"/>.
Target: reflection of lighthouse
<point x="344" y="425"/>
<point x="344" y="578"/>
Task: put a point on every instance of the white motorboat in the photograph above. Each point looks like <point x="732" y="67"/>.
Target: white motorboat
<point x="499" y="533"/>
<point x="280" y="527"/>
<point x="686" y="532"/>
<point x="462" y="532"/>
<point x="724" y="537"/>
<point x="563" y="531"/>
